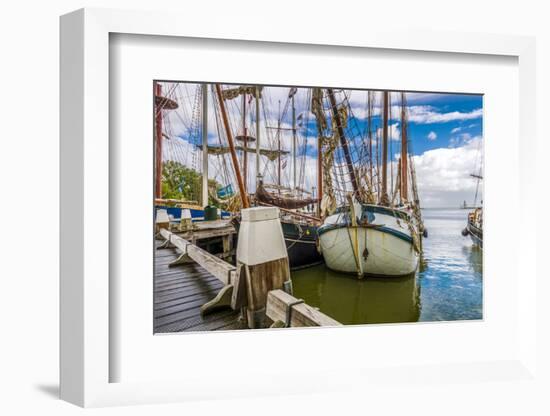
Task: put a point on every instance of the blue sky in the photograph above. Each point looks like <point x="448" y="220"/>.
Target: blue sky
<point x="444" y="131"/>
<point x="449" y="133"/>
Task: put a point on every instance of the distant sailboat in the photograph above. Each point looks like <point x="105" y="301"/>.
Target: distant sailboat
<point x="474" y="224"/>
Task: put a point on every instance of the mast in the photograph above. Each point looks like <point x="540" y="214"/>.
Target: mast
<point x="257" y="91"/>
<point x="319" y="169"/>
<point x="404" y="150"/>
<point x="234" y="160"/>
<point x="378" y="183"/>
<point x="319" y="173"/>
<point x="343" y="143"/>
<point x="279" y="147"/>
<point x="369" y="120"/>
<point x="295" y="184"/>
<point x="158" y="142"/>
<point x="245" y="144"/>
<point x="204" y="144"/>
<point x="384" y="197"/>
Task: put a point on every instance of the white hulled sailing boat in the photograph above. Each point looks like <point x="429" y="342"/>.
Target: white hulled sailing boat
<point x="371" y="234"/>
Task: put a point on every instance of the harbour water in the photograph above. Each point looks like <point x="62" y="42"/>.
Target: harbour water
<point x="448" y="285"/>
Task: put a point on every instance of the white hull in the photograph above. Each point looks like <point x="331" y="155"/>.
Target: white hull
<point x="387" y="254"/>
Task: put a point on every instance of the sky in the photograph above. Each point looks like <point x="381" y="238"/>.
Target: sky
<point x="444" y="133"/>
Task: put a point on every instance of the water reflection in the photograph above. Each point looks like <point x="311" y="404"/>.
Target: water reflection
<point x="353" y="301"/>
<point x="474" y="254"/>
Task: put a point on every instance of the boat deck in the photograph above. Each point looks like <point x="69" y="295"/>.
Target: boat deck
<point x="179" y="293"/>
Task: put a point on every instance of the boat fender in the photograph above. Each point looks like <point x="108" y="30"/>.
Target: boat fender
<point x="425" y="233"/>
<point x="465" y="232"/>
<point x="366" y="253"/>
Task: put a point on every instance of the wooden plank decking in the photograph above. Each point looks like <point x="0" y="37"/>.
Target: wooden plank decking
<point x="180" y="291"/>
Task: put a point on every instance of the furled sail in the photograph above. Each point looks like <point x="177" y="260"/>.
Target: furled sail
<point x="328" y="202"/>
<point x="270" y="154"/>
<point x="317" y="107"/>
<point x="281" y="200"/>
<point x="232" y="93"/>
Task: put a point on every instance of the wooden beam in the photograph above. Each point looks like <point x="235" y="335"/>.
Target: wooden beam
<point x="158" y="142"/>
<point x="384" y="196"/>
<point x="301" y="314"/>
<point x="205" y="234"/>
<point x="234" y="160"/>
<point x="218" y="268"/>
<point x="296" y="213"/>
<point x="404" y="150"/>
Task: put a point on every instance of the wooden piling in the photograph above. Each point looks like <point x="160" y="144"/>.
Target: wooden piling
<point x="263" y="258"/>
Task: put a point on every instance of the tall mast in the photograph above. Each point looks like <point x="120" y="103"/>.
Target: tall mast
<point x="295" y="184"/>
<point x="245" y="145"/>
<point x="404" y="150"/>
<point x="384" y="196"/>
<point x="369" y="119"/>
<point x="257" y="93"/>
<point x="234" y="160"/>
<point x="158" y="142"/>
<point x="319" y="169"/>
<point x="279" y="147"/>
<point x="319" y="173"/>
<point x="343" y="142"/>
<point x="378" y="183"/>
<point x="204" y="144"/>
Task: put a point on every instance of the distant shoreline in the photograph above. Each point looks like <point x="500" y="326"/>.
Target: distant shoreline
<point x="446" y="208"/>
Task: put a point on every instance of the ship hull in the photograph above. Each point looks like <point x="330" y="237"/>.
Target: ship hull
<point x="300" y="241"/>
<point x="301" y="244"/>
<point x="474" y="227"/>
<point x="383" y="247"/>
<point x="475" y="234"/>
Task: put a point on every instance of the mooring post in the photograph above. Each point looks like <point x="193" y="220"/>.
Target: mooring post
<point x="261" y="253"/>
<point x="162" y="220"/>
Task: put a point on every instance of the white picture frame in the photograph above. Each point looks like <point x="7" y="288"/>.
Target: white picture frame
<point x="85" y="165"/>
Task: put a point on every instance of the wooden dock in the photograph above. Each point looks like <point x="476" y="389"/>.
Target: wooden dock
<point x="195" y="290"/>
<point x="180" y="291"/>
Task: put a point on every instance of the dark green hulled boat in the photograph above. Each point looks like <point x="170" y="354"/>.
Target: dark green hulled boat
<point x="301" y="243"/>
<point x="300" y="240"/>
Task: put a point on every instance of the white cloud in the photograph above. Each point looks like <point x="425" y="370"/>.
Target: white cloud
<point x="443" y="175"/>
<point x="425" y="114"/>
<point x="456" y="130"/>
<point x="460" y="140"/>
<point x="394" y="132"/>
<point x="420" y="114"/>
<point x="432" y="135"/>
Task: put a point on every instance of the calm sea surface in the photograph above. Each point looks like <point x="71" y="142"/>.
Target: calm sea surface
<point x="447" y="286"/>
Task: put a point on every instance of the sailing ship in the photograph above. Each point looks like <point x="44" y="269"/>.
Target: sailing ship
<point x="373" y="232"/>
<point x="370" y="234"/>
<point x="474" y="223"/>
<point x="474" y="226"/>
<point x="299" y="228"/>
<point x="299" y="224"/>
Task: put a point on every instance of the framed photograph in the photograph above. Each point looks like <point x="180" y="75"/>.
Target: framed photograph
<point x="229" y="198"/>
